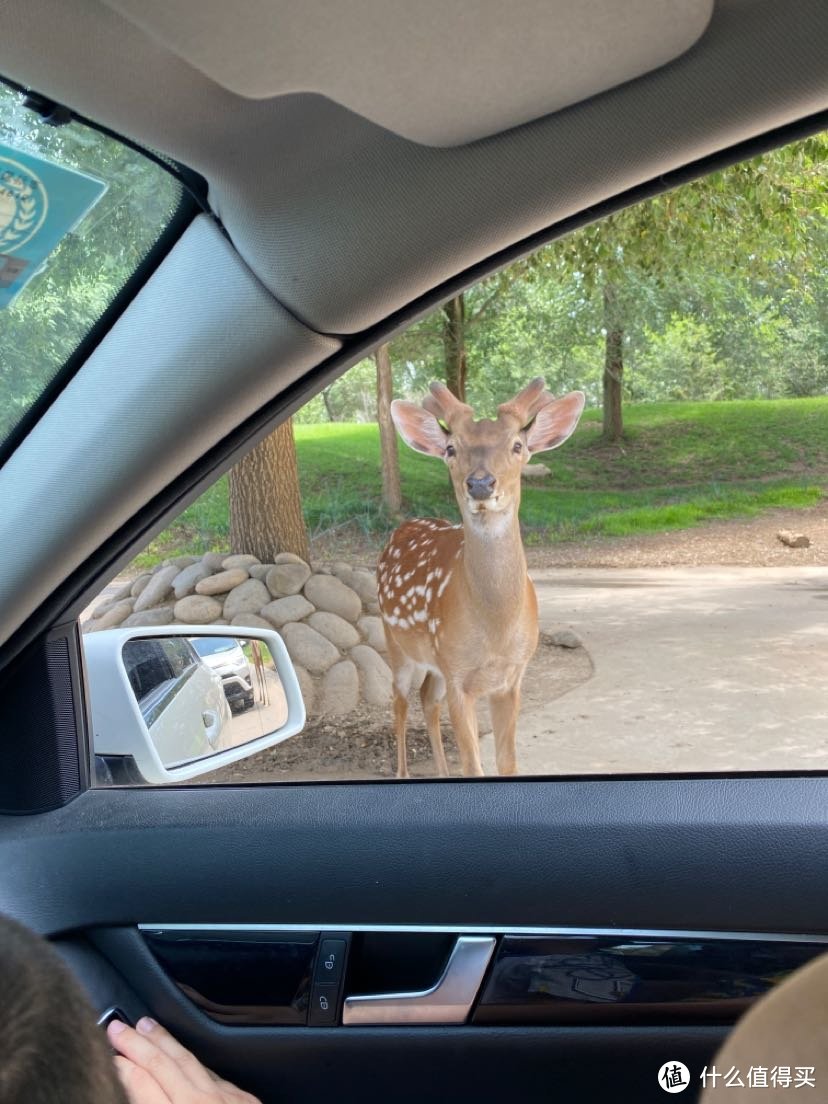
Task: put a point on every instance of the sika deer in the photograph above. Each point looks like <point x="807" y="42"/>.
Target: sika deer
<point x="459" y="608"/>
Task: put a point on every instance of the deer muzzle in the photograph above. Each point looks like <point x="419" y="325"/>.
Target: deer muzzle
<point x="481" y="487"/>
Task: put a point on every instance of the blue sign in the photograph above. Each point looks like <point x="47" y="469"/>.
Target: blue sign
<point x="40" y="203"/>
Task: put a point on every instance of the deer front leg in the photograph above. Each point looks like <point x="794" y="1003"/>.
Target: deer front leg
<point x="400" y="716"/>
<point x="504" y="709"/>
<point x="463" y="713"/>
<point x="431" y="693"/>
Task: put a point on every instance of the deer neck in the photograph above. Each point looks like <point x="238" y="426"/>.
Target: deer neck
<point x="495" y="564"/>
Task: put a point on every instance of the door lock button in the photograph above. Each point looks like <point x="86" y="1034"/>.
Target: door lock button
<point x="324" y="1005"/>
<point x="330" y="963"/>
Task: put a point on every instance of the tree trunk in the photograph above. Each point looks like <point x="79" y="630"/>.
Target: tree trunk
<point x="613" y="366"/>
<point x="391" y="494"/>
<point x="326" y="399"/>
<point x="265" y="502"/>
<point x="454" y="345"/>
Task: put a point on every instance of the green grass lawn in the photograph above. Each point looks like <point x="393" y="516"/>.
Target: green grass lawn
<point x="679" y="464"/>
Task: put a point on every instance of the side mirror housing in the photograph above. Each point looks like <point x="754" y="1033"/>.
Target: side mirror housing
<point x="170" y="703"/>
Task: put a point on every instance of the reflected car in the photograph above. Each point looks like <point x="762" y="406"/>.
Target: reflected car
<point x="181" y="698"/>
<point x="224" y="655"/>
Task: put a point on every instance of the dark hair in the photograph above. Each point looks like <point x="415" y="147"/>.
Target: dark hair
<point x="51" y="1049"/>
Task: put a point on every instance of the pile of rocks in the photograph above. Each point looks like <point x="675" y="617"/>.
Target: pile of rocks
<point x="327" y="617"/>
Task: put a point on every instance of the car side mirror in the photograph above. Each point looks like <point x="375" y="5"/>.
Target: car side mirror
<point x="169" y="704"/>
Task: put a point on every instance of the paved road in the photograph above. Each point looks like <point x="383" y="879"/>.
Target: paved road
<point x="695" y="669"/>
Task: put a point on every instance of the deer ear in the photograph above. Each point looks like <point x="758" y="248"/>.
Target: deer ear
<point x="419" y="429"/>
<point x="555" y="422"/>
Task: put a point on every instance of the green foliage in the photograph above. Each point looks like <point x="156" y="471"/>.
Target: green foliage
<point x="724" y="281"/>
<point x="684" y="463"/>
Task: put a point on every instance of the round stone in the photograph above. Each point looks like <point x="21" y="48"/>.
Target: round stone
<point x="339" y="631"/>
<point x="564" y="638"/>
<point x="250" y="621"/>
<point x="157" y="589"/>
<point x="332" y="595"/>
<point x="213" y="560"/>
<point x="343" y="571"/>
<point x="309" y="648"/>
<point x="287" y="578"/>
<point x="185" y="581"/>
<point x="284" y="610"/>
<point x="223" y="582"/>
<point x="340" y="689"/>
<point x="259" y="571"/>
<point x="139" y="584"/>
<point x="365" y="584"/>
<point x="288" y="557"/>
<point x="197" y="609"/>
<point x="247" y="597"/>
<point x="375" y="674"/>
<point x="115" y="615"/>
<point x="161" y="615"/>
<point x="122" y="592"/>
<point x="307" y="688"/>
<point x="374" y="632"/>
<point x="240" y="559"/>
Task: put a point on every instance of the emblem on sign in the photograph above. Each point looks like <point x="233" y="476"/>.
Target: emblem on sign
<point x="23" y="204"/>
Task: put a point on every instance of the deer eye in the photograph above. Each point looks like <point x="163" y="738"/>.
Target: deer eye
<point x="517" y="446"/>
<point x="450" y="450"/>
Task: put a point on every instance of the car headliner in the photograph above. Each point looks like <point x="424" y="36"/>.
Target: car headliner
<point x="335" y="226"/>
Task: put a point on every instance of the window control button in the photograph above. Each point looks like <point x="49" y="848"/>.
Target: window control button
<point x="323" y="1005"/>
<point x="330" y="962"/>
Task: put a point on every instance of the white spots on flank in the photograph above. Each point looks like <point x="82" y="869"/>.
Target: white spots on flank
<point x="420" y="615"/>
<point x="396" y="552"/>
<point x="443" y="585"/>
<point x="396" y="611"/>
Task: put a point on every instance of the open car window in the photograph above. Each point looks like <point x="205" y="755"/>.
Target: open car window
<point x="79" y="214"/>
<point x="669" y="472"/>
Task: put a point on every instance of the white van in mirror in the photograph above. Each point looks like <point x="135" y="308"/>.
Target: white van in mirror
<point x="165" y="708"/>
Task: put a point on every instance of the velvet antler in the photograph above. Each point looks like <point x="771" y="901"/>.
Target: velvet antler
<point x="443" y="404"/>
<point x="526" y="403"/>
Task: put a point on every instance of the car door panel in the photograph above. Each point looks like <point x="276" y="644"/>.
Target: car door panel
<point x="645" y="856"/>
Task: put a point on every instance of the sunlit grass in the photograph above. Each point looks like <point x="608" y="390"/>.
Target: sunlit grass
<point x="679" y="465"/>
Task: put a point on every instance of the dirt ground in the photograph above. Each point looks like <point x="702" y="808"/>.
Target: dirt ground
<point x="362" y="744"/>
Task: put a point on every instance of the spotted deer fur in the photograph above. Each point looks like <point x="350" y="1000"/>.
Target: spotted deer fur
<point x="457" y="603"/>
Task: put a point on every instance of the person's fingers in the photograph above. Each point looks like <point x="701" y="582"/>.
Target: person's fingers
<point x="141" y="1049"/>
<point x="140" y="1086"/>
<point x="162" y="1071"/>
<point x="186" y="1061"/>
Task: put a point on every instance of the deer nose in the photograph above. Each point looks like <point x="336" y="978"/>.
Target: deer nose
<point x="481" y="487"/>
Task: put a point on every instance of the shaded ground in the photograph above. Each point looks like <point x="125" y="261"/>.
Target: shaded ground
<point x="362" y="744"/>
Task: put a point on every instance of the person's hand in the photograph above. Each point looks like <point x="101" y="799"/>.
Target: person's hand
<point x="155" y="1069"/>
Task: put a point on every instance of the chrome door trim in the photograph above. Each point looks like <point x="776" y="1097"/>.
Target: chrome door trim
<point x="499" y="929"/>
<point x="447" y="1002"/>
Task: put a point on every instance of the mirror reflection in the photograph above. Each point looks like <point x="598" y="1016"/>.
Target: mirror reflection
<point x="204" y="694"/>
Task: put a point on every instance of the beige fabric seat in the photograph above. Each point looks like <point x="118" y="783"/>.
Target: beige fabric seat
<point x="788" y="1028"/>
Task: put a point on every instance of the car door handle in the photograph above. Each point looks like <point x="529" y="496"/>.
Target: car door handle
<point x="449" y="1001"/>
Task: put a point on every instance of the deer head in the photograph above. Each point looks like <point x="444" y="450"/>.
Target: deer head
<point x="485" y="458"/>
